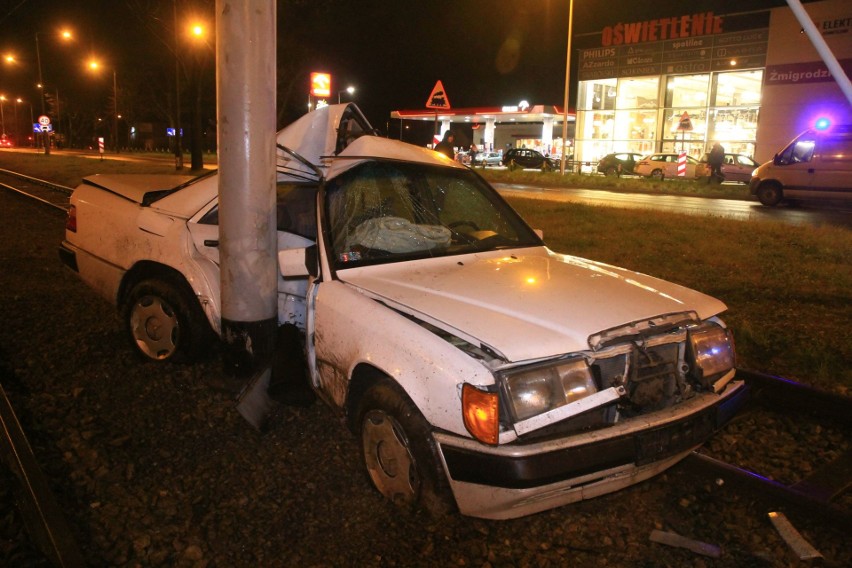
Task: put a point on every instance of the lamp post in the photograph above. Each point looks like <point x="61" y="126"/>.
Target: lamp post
<point x="2" y="117"/>
<point x="567" y="86"/>
<point x="350" y="89"/>
<point x="178" y="144"/>
<point x="18" y="100"/>
<point x="94" y="66"/>
<point x="66" y="35"/>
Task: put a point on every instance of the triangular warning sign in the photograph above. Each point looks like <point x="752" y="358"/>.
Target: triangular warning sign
<point x="685" y="122"/>
<point x="438" y="98"/>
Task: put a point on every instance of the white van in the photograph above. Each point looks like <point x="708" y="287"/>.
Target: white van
<point x="815" y="165"/>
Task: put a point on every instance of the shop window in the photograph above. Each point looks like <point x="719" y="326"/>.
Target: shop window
<point x="598" y="95"/>
<point x="638" y="93"/>
<point x="687" y="91"/>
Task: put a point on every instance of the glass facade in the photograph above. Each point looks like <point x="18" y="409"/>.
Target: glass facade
<point x="647" y="114"/>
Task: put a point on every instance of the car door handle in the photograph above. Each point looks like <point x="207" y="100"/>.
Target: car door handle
<point x="213" y="243"/>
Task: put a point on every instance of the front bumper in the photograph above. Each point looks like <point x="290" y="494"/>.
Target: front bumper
<point x="514" y="480"/>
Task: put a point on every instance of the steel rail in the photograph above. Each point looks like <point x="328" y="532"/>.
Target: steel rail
<point x="48" y="184"/>
<point x="42" y="516"/>
<point x="35" y="197"/>
<point x="800" y="496"/>
<point x="814" y="495"/>
<point x="799" y="397"/>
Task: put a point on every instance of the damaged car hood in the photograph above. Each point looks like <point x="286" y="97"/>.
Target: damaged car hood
<point x="526" y="304"/>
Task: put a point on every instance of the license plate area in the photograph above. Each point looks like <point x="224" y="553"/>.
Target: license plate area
<point x="671" y="439"/>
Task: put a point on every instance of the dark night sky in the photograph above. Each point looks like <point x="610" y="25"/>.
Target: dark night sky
<point x="486" y="53"/>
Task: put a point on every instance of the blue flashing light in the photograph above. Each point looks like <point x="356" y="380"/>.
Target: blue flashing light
<point x="822" y="123"/>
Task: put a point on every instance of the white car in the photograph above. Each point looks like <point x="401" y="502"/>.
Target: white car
<point x="664" y="165"/>
<point x="480" y="369"/>
<point x="488" y="159"/>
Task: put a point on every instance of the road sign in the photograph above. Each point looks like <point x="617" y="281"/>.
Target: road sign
<point x="685" y="122"/>
<point x="438" y="98"/>
<point x="681" y="164"/>
<point x="44" y="120"/>
<point x="38" y="128"/>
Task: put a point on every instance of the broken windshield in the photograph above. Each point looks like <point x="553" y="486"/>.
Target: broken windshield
<point x="383" y="211"/>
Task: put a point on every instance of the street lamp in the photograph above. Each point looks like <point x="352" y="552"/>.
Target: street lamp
<point x="2" y="117"/>
<point x="350" y="89"/>
<point x="18" y="101"/>
<point x="567" y="86"/>
<point x="66" y="36"/>
<point x="95" y="66"/>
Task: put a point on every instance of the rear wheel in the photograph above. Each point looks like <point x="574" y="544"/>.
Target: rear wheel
<point x="770" y="194"/>
<point x="164" y="322"/>
<point x="657" y="174"/>
<point x="611" y="171"/>
<point x="398" y="451"/>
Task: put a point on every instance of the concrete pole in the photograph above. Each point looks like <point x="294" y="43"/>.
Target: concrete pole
<point x="822" y="48"/>
<point x="245" y="88"/>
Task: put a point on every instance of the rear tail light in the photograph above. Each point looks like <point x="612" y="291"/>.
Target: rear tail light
<point x="71" y="220"/>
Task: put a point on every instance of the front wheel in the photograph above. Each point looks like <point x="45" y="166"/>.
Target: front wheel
<point x="398" y="451"/>
<point x="770" y="194"/>
<point x="164" y="322"/>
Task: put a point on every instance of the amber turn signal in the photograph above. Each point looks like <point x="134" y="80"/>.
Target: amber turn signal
<point x="481" y="411"/>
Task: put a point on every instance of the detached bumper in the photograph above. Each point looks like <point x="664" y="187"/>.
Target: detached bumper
<point x="515" y="480"/>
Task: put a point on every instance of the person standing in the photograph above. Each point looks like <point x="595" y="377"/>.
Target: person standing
<point x="445" y="146"/>
<point x="715" y="160"/>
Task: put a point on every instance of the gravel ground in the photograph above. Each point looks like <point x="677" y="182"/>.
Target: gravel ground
<point x="154" y="467"/>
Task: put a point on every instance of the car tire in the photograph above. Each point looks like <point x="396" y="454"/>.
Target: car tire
<point x="657" y="174"/>
<point x="770" y="194"/>
<point x="399" y="453"/>
<point x="611" y="171"/>
<point x="165" y="322"/>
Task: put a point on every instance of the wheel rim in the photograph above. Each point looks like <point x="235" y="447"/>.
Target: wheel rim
<point x="657" y="174"/>
<point x="388" y="457"/>
<point x="154" y="326"/>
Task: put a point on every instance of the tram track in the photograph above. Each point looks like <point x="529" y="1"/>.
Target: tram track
<point x="45" y="192"/>
<point x="816" y="497"/>
<point x="819" y="493"/>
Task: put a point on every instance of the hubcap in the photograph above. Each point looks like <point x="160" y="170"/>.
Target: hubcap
<point x="155" y="327"/>
<point x="388" y="458"/>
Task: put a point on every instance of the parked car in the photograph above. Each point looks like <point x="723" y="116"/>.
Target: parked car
<point x="735" y="167"/>
<point x="618" y="163"/>
<point x="488" y="159"/>
<point x="480" y="369"/>
<point x="814" y="165"/>
<point x="527" y="158"/>
<point x="663" y="165"/>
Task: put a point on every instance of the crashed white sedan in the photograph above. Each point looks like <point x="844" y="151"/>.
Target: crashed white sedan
<point x="480" y="369"/>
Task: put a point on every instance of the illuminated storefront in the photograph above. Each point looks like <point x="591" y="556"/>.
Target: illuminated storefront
<point x="637" y="81"/>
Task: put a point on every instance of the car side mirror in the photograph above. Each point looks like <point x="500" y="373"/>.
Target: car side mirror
<point x="298" y="262"/>
<point x="775" y="160"/>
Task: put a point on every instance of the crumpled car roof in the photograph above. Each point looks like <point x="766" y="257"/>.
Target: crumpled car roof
<point x="320" y="137"/>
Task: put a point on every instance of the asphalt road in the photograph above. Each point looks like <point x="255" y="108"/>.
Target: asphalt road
<point x="729" y="208"/>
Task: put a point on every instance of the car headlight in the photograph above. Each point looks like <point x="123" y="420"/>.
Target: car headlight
<point x="534" y="390"/>
<point x="713" y="352"/>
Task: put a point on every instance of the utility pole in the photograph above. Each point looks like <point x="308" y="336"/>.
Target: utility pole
<point x="245" y="87"/>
